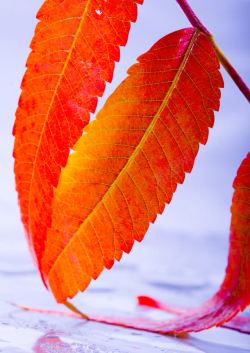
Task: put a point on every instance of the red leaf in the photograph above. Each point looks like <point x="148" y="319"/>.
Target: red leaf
<point x="128" y="163"/>
<point x="74" y="48"/>
<point x="234" y="293"/>
<point x="239" y="323"/>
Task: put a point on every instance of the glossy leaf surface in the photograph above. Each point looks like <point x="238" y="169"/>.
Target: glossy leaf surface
<point x="75" y="46"/>
<point x="127" y="164"/>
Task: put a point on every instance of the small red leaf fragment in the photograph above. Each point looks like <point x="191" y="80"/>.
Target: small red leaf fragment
<point x="156" y="304"/>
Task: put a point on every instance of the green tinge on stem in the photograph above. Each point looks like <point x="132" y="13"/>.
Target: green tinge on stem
<point x="71" y="307"/>
<point x="231" y="71"/>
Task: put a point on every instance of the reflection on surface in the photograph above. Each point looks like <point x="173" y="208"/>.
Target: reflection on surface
<point x="51" y="343"/>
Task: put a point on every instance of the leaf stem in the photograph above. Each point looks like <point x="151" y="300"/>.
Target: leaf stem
<point x="191" y="16"/>
<point x="231" y="71"/>
<point x="71" y="307"/>
<point x="195" y="22"/>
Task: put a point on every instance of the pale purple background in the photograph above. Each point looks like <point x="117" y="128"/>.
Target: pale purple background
<point x="193" y="228"/>
<point x="202" y="204"/>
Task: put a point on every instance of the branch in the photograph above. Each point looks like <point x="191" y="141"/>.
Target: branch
<point x="195" y="22"/>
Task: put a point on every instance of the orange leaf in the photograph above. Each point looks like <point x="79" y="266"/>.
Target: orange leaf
<point x="128" y="163"/>
<point x="75" y="46"/>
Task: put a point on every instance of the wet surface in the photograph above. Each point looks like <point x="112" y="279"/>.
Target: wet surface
<point x="181" y="271"/>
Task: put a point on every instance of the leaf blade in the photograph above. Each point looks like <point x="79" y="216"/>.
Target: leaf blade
<point x="119" y="195"/>
<point x="70" y="62"/>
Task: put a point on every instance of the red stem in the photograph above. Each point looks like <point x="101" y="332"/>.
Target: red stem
<point x="195" y="22"/>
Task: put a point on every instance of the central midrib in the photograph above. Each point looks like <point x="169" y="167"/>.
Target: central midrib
<point x="138" y="148"/>
<point x="52" y="102"/>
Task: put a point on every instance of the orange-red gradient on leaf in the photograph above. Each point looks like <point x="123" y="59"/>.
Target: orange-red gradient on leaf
<point x="126" y="166"/>
<point x="74" y="49"/>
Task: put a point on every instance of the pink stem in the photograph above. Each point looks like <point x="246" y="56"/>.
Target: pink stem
<point x="195" y="22"/>
<point x="193" y="19"/>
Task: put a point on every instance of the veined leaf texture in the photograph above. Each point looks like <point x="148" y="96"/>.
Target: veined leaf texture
<point x="127" y="164"/>
<point x="74" y="49"/>
<point x="82" y="211"/>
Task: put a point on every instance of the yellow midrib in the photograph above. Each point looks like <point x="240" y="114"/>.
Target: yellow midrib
<point x="138" y="148"/>
<point x="52" y="101"/>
